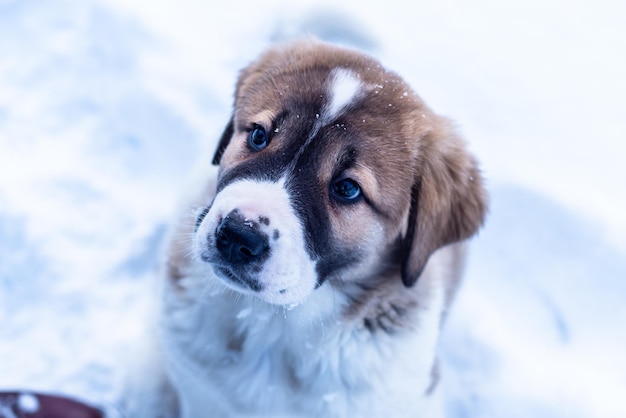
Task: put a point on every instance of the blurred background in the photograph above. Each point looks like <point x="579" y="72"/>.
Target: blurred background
<point x="106" y="106"/>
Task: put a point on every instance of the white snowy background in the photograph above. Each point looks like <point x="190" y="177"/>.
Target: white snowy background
<point x="106" y="105"/>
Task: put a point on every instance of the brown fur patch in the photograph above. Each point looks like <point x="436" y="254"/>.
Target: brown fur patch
<point x="424" y="189"/>
<point x="422" y="196"/>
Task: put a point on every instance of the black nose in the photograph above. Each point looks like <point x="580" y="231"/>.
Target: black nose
<point x="240" y="241"/>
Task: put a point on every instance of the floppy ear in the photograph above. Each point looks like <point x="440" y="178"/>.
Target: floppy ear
<point x="448" y="201"/>
<point x="224" y="140"/>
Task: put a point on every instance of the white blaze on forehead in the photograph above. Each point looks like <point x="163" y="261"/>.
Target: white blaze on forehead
<point x="344" y="88"/>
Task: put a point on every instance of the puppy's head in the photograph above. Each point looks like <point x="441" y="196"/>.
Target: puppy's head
<point x="332" y="169"/>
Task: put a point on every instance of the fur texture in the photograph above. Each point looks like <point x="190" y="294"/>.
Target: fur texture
<point x="326" y="250"/>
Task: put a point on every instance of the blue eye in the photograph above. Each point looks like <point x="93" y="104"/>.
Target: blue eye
<point x="346" y="189"/>
<point x="257" y="140"/>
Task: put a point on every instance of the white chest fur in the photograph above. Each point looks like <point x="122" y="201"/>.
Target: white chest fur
<point x="231" y="355"/>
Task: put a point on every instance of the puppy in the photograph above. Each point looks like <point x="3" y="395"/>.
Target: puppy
<point x="326" y="249"/>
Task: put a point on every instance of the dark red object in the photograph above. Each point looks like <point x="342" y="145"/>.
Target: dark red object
<point x="36" y="405"/>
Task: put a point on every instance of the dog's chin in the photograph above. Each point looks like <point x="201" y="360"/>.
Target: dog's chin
<point x="241" y="283"/>
<point x="253" y="286"/>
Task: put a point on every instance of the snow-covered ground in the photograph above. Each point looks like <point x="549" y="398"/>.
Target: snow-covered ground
<point x="106" y="105"/>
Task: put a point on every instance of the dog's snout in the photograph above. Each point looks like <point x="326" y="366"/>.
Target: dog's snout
<point x="240" y="241"/>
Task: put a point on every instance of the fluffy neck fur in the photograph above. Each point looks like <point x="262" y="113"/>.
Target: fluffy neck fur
<point x="343" y="353"/>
